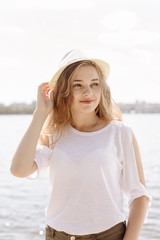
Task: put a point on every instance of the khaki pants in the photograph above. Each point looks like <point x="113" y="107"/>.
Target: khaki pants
<point x="114" y="233"/>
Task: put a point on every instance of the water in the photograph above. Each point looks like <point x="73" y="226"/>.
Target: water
<point x="23" y="201"/>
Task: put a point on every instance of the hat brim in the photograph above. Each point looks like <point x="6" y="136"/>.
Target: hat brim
<point x="104" y="66"/>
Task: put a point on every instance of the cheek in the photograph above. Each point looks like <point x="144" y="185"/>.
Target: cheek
<point x="97" y="92"/>
<point x="76" y="94"/>
<point x="74" y="99"/>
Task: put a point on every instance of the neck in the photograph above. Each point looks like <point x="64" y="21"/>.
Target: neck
<point x="84" y="122"/>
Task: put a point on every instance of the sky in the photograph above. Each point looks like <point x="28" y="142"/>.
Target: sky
<point x="36" y="34"/>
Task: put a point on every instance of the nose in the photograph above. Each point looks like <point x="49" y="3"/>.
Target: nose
<point x="87" y="90"/>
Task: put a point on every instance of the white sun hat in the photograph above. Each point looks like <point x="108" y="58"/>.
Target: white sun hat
<point x="76" y="56"/>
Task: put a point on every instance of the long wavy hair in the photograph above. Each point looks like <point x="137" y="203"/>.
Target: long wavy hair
<point x="60" y="115"/>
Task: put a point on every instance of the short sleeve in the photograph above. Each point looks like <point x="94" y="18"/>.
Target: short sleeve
<point x="132" y="187"/>
<point x="42" y="158"/>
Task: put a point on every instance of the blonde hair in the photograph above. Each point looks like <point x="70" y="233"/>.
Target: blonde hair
<point x="60" y="116"/>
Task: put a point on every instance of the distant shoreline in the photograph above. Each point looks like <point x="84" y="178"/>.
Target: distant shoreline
<point x="137" y="107"/>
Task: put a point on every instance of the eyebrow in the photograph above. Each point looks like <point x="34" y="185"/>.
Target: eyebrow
<point x="78" y="80"/>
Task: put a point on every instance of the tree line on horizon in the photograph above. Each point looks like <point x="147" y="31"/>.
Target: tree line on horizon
<point x="136" y="107"/>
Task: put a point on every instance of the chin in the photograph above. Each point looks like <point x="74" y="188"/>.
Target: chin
<point x="86" y="111"/>
<point x="83" y="109"/>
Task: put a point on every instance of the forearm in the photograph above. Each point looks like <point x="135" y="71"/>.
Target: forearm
<point x="137" y="214"/>
<point x="23" y="158"/>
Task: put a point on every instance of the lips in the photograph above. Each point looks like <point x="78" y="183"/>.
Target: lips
<point x="86" y="101"/>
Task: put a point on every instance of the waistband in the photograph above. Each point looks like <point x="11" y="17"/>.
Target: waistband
<point x="118" y="229"/>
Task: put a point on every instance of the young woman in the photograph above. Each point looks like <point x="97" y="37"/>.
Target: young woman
<point x="92" y="154"/>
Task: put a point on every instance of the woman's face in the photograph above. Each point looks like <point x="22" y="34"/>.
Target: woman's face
<point x="86" y="90"/>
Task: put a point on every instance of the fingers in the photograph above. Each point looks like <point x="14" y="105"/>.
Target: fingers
<point x="45" y="85"/>
<point x="46" y="91"/>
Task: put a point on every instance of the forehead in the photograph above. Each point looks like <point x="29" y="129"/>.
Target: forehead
<point x="86" y="72"/>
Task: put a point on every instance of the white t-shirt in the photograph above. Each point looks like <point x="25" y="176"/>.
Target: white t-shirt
<point x="90" y="173"/>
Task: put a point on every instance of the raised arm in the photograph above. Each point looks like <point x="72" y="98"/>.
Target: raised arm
<point x="23" y="163"/>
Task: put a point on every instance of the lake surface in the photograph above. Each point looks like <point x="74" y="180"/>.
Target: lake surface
<point x="23" y="201"/>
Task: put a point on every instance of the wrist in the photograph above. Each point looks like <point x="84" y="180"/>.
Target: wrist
<point x="40" y="114"/>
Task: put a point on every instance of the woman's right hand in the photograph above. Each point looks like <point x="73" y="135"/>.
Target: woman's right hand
<point x="45" y="98"/>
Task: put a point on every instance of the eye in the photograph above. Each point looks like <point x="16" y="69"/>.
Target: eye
<point x="77" y="85"/>
<point x="95" y="84"/>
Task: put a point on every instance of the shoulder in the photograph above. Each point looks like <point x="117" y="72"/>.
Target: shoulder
<point x="127" y="134"/>
<point x="120" y="124"/>
<point x="123" y="128"/>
